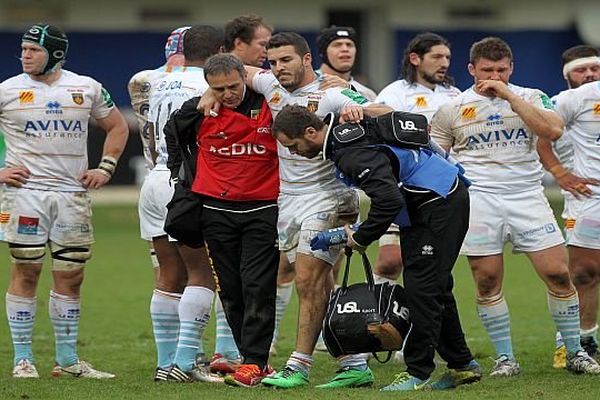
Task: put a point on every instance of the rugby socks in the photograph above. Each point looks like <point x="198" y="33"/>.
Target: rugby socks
<point x="165" y="325"/>
<point x="225" y="342"/>
<point x="354" y="361"/>
<point x="282" y="300"/>
<point x="20" y="312"/>
<point x="300" y="362"/>
<point x="585" y="333"/>
<point x="565" y="313"/>
<point x="493" y="313"/>
<point x="194" y="314"/>
<point x="64" y="314"/>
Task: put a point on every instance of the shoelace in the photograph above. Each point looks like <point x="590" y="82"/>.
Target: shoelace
<point x="248" y="370"/>
<point x="401" y="378"/>
<point x="287" y="372"/>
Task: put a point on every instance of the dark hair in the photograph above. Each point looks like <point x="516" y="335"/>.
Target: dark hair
<point x="421" y="45"/>
<point x="292" y="120"/>
<point x="579" y="51"/>
<point x="223" y="64"/>
<point x="491" y="48"/>
<point x="201" y="42"/>
<point x="289" y="39"/>
<point x="243" y="28"/>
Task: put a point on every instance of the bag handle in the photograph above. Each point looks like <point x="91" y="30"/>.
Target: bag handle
<point x="366" y="266"/>
<point x="387" y="358"/>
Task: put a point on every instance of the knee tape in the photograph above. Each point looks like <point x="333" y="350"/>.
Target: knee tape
<point x="27" y="254"/>
<point x="69" y="258"/>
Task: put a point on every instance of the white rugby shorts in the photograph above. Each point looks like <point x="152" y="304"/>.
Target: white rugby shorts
<point x="525" y="219"/>
<point x="156" y="192"/>
<point x="584" y="229"/>
<point x="30" y="216"/>
<point x="301" y="217"/>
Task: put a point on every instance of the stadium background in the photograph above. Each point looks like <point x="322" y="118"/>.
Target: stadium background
<point x="111" y="40"/>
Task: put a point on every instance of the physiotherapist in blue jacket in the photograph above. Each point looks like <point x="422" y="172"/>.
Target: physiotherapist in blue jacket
<point x="427" y="196"/>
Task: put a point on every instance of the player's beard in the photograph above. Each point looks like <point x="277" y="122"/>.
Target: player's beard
<point x="296" y="78"/>
<point x="432" y="79"/>
<point x="575" y="85"/>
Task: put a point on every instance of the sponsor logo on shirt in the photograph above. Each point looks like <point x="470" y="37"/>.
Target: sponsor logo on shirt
<point x="239" y="149"/>
<point x="420" y="102"/>
<point x="357" y="97"/>
<point x="53" y="107"/>
<point x="498" y="139"/>
<point x="28" y="225"/>
<point x="468" y="113"/>
<point x="494" y="119"/>
<point x="546" y="102"/>
<point x="540" y="230"/>
<point x="26" y="97"/>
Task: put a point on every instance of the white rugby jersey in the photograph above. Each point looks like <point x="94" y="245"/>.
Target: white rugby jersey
<point x="167" y="95"/>
<point x="493" y="144"/>
<point x="298" y="175"/>
<point x="563" y="148"/>
<point x="366" y="92"/>
<point x="46" y="127"/>
<point x="580" y="109"/>
<point x="402" y="95"/>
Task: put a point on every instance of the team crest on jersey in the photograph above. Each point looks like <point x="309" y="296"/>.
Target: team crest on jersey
<point x="26" y="97"/>
<point x="275" y="99"/>
<point x="313" y="102"/>
<point x="77" y="98"/>
<point x="254" y="114"/>
<point x="596" y="110"/>
<point x="468" y="113"/>
<point x="420" y="102"/>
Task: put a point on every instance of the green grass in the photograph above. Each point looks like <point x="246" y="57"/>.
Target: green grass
<point x="115" y="334"/>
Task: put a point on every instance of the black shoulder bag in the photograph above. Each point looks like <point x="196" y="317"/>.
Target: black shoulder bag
<point x="184" y="215"/>
<point x="365" y="317"/>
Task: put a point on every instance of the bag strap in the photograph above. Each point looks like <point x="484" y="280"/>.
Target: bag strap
<point x="366" y="266"/>
<point x="189" y="176"/>
<point x="387" y="358"/>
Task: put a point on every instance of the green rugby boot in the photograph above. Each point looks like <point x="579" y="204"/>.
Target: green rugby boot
<point x="349" y="378"/>
<point x="287" y="378"/>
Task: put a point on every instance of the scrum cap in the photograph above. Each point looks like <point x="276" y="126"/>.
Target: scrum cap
<point x="174" y="43"/>
<point x="330" y="34"/>
<point x="53" y="40"/>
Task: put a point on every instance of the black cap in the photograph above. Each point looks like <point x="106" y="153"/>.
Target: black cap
<point x="330" y="34"/>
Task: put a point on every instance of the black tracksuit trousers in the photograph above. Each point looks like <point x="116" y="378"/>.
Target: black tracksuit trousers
<point x="242" y="246"/>
<point x="430" y="248"/>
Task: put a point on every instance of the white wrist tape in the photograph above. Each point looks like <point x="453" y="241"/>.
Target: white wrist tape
<point x="107" y="165"/>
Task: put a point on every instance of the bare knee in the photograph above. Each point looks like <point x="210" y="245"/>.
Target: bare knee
<point x="559" y="281"/>
<point x="389" y="262"/>
<point x="24" y="279"/>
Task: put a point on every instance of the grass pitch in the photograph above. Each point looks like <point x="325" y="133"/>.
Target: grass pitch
<point x="115" y="335"/>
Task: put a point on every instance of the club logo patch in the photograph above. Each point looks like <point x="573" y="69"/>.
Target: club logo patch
<point x="77" y="98"/>
<point x="420" y="102"/>
<point x="468" y="113"/>
<point x="26" y="97"/>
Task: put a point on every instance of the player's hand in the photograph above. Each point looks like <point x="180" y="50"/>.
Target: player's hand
<point x="94" y="179"/>
<point x="330" y="81"/>
<point x="14" y="176"/>
<point x="352" y="113"/>
<point x="208" y="104"/>
<point x="576" y="185"/>
<point x="494" y="88"/>
<point x="351" y="243"/>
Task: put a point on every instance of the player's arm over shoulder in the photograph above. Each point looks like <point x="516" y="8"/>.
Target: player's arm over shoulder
<point x="441" y="126"/>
